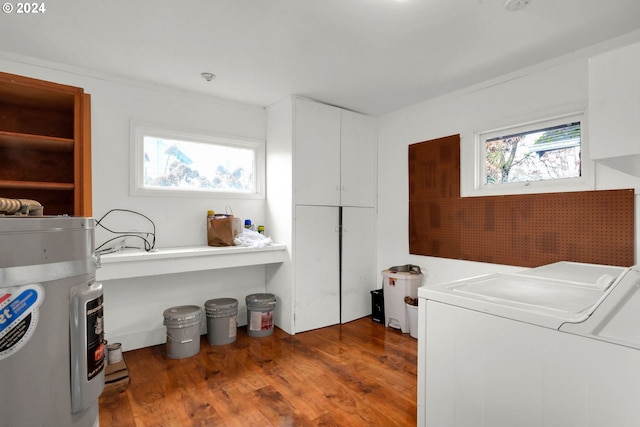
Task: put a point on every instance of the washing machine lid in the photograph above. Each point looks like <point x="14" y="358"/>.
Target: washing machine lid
<point x="548" y="296"/>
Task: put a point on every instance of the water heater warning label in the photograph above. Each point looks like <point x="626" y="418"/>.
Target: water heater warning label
<point x="95" y="337"/>
<point x="18" y="316"/>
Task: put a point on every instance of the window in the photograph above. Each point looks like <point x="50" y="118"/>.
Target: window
<point x="167" y="162"/>
<point x="537" y="157"/>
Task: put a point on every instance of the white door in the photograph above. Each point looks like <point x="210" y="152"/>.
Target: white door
<point x="357" y="163"/>
<point x="317" y="154"/>
<point x="358" y="262"/>
<point x="317" y="275"/>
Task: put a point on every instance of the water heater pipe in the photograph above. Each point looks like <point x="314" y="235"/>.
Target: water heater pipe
<point x="21" y="206"/>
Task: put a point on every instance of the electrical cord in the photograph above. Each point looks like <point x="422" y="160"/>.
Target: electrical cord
<point x="142" y="235"/>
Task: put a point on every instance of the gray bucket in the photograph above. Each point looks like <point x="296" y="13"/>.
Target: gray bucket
<point x="260" y="314"/>
<point x="222" y="320"/>
<point x="183" y="331"/>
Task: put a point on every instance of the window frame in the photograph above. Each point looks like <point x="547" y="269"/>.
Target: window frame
<point x="473" y="158"/>
<point x="138" y="132"/>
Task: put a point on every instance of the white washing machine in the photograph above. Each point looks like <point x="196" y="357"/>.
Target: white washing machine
<point x="557" y="345"/>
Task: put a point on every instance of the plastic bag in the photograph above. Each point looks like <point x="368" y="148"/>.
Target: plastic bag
<point x="252" y="239"/>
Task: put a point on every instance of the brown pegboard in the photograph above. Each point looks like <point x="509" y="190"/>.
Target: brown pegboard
<point x="527" y="230"/>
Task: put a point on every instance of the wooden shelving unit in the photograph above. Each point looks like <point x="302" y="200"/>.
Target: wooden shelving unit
<point x="45" y="144"/>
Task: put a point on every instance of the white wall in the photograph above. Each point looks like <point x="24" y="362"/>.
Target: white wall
<point x="133" y="308"/>
<point x="547" y="87"/>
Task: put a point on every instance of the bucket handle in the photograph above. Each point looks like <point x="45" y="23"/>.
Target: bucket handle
<point x="408" y="268"/>
<point x="181" y="342"/>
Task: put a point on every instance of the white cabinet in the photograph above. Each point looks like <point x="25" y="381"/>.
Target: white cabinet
<point x="334" y="156"/>
<point x="320" y="162"/>
<point x="333" y="286"/>
<point x="317" y="274"/>
<point x="358" y="276"/>
<point x="357" y="160"/>
<point x="317" y="153"/>
<point x="614" y="108"/>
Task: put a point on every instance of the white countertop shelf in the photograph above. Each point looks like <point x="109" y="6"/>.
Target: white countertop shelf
<point x="138" y="263"/>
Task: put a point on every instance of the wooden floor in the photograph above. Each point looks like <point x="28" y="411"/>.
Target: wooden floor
<point x="357" y="374"/>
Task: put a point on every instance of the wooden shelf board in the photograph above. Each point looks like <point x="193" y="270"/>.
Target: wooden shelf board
<point x="36" y="142"/>
<point x="30" y="92"/>
<point x="36" y="185"/>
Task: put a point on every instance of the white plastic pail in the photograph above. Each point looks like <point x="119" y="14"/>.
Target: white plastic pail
<point x="222" y="320"/>
<point x="183" y="331"/>
<point x="412" y="314"/>
<point x="260" y="314"/>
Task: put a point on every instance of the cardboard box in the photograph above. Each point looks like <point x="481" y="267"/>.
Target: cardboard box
<point x="116" y="378"/>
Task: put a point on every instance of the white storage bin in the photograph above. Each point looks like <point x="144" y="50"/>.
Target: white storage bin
<point x="398" y="285"/>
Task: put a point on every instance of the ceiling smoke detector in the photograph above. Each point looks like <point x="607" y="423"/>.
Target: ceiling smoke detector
<point x="208" y="76"/>
<point x="513" y="5"/>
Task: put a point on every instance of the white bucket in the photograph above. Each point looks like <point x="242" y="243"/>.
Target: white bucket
<point x="412" y="314"/>
<point x="222" y="320"/>
<point x="260" y="314"/>
<point x="183" y="331"/>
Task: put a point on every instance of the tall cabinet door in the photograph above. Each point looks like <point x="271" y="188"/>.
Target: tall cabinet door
<point x="358" y="262"/>
<point x="614" y="106"/>
<point x="317" y="154"/>
<point x="357" y="161"/>
<point x="317" y="275"/>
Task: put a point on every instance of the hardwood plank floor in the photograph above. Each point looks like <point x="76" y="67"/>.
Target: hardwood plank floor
<point x="357" y="374"/>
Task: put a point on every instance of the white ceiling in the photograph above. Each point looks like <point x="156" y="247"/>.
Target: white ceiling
<point x="373" y="56"/>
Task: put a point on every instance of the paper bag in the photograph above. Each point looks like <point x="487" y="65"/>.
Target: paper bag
<point x="220" y="230"/>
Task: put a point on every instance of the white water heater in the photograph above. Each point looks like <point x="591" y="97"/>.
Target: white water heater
<point x="51" y="323"/>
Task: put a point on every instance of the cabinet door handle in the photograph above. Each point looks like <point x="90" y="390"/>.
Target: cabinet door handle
<point x="338" y="188"/>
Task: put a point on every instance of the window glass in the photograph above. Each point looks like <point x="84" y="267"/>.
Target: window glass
<point x="533" y="155"/>
<point x="544" y="155"/>
<point x="174" y="162"/>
